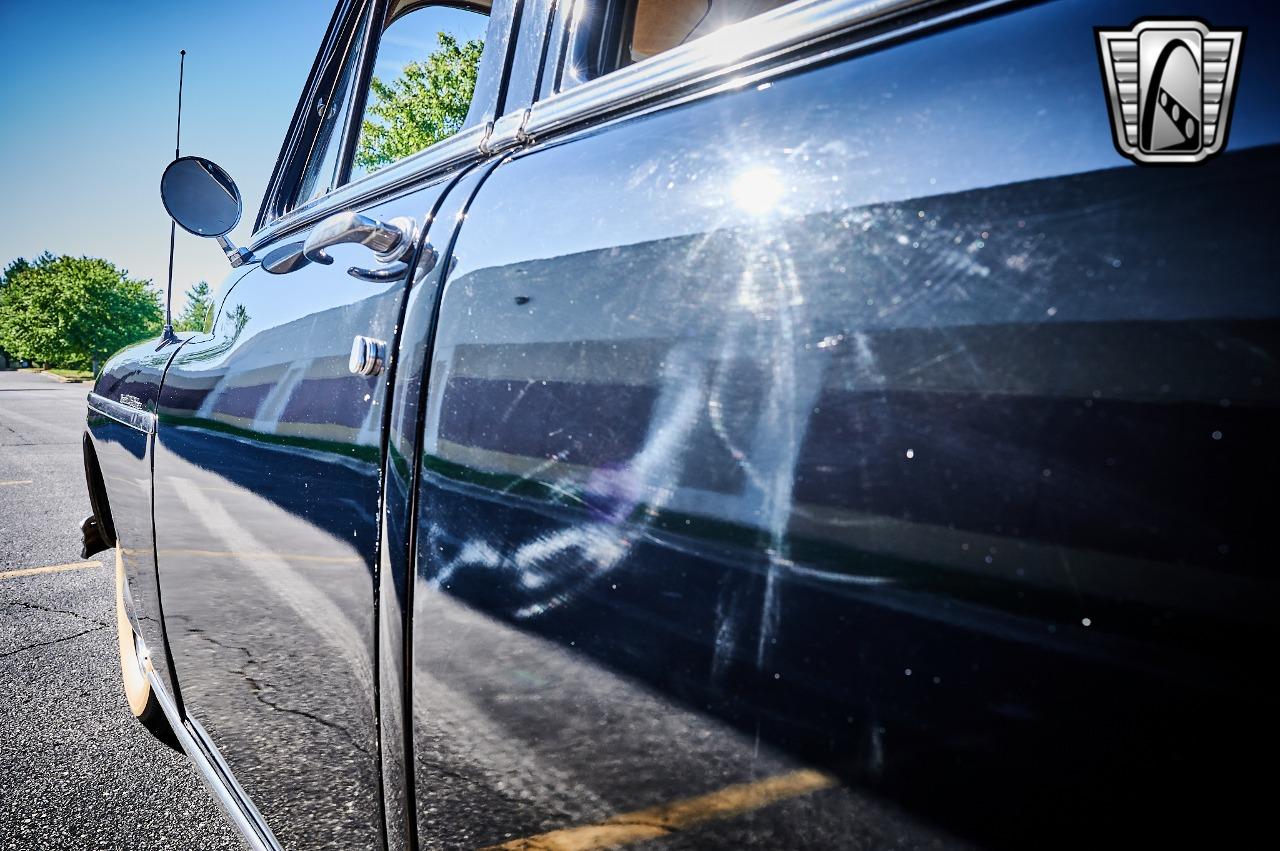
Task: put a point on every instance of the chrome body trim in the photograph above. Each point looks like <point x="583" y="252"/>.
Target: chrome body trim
<point x="214" y="772"/>
<point x="508" y="132"/>
<point x="399" y="176"/>
<point x="205" y="742"/>
<point x="722" y="52"/>
<point x="134" y="418"/>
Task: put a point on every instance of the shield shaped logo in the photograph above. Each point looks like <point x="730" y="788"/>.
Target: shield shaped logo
<point x="1169" y="88"/>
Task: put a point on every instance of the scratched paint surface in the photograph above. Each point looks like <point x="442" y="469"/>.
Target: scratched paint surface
<point x="867" y="438"/>
<point x="267" y="481"/>
<point x="871" y="422"/>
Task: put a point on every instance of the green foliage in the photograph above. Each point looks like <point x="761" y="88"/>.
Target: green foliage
<point x="72" y="312"/>
<point x="14" y="268"/>
<point x="10" y="270"/>
<point x="427" y="103"/>
<point x="196" y="313"/>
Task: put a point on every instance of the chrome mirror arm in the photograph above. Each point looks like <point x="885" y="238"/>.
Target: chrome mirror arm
<point x="236" y="256"/>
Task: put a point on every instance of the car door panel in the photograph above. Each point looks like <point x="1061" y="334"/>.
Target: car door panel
<point x="826" y="432"/>
<point x="403" y="434"/>
<point x="267" y="478"/>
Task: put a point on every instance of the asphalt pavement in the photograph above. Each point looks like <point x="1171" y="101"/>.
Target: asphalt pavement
<point x="517" y="739"/>
<point x="76" y="769"/>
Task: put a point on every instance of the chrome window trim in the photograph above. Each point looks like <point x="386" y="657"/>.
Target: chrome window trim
<point x="711" y="56"/>
<point x="279" y="183"/>
<point x="495" y="61"/>
<point x="529" y="54"/>
<point x="134" y="418"/>
<point x="658" y="77"/>
<point x="443" y="156"/>
<point x="440" y="157"/>
<point x="557" y="45"/>
<point x="354" y="116"/>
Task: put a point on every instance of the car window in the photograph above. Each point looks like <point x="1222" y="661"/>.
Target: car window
<point x="659" y="25"/>
<point x="423" y="77"/>
<point x="612" y="34"/>
<point x="422" y="83"/>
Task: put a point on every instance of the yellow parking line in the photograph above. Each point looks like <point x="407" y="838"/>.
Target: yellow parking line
<point x="668" y="818"/>
<point x="53" y="568"/>
<point x="261" y="555"/>
<point x="17" y="482"/>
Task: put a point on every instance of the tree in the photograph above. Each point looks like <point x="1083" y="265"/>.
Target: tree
<point x="10" y="270"/>
<point x="73" y="311"/>
<point x="427" y="103"/>
<point x="17" y="266"/>
<point x="196" y="312"/>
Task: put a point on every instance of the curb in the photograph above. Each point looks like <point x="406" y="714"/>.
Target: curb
<point x="54" y="376"/>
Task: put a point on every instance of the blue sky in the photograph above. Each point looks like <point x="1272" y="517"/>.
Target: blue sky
<point x="88" y="92"/>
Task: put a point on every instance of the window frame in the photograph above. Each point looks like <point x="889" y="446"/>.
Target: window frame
<point x="792" y="35"/>
<point x="276" y="217"/>
<point x="349" y="49"/>
<point x="305" y="125"/>
<point x="583" y="37"/>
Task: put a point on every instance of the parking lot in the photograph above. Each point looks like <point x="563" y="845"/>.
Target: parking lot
<point x="76" y="770"/>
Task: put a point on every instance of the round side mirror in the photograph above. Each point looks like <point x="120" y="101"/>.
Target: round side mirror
<point x="200" y="196"/>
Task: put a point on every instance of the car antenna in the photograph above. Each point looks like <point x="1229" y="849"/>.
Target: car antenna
<point x="167" y="336"/>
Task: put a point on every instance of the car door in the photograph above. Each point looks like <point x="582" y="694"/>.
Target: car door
<point x="831" y="441"/>
<point x="270" y="451"/>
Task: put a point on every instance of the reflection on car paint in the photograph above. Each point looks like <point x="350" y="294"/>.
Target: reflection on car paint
<point x="864" y="427"/>
<point x="267" y="476"/>
<point x="884" y="471"/>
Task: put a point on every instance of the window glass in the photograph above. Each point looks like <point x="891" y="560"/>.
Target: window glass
<point x="606" y="36"/>
<point x="422" y="83"/>
<point x="419" y="93"/>
<point x="659" y="25"/>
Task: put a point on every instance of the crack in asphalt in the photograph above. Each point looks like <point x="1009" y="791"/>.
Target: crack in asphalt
<point x="259" y="688"/>
<point x="48" y="643"/>
<point x="41" y="608"/>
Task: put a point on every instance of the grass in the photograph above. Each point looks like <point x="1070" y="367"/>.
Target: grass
<point x="80" y="374"/>
<point x="66" y="374"/>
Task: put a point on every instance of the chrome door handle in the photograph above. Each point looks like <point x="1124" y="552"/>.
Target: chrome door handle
<point x="394" y="272"/>
<point x="390" y="241"/>
<point x="426" y="262"/>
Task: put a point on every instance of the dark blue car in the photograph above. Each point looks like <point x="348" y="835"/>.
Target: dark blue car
<point x="816" y="424"/>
